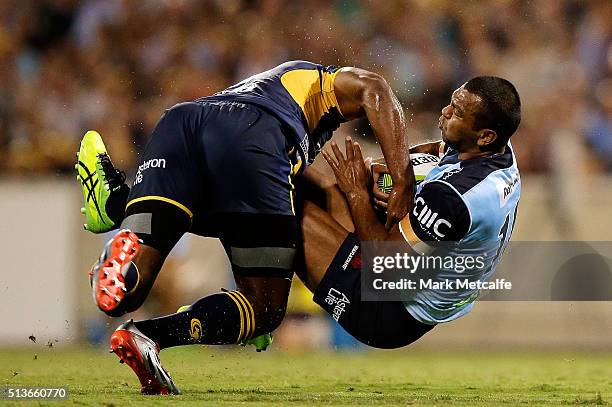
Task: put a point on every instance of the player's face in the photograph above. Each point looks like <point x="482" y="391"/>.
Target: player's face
<point x="457" y="120"/>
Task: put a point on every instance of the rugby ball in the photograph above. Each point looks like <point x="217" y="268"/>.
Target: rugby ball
<point x="422" y="164"/>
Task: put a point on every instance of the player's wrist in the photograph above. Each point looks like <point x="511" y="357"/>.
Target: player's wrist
<point x="400" y="180"/>
<point x="358" y="195"/>
<point x="400" y="186"/>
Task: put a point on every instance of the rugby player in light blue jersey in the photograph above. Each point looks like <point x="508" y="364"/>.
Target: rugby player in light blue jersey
<point x="468" y="200"/>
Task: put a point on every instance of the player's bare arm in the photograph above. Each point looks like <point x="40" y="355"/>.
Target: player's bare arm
<point x="362" y="93"/>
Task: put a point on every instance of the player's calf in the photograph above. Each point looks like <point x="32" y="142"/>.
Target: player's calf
<point x="268" y="296"/>
<point x="229" y="317"/>
<point x="218" y="319"/>
<point x="124" y="274"/>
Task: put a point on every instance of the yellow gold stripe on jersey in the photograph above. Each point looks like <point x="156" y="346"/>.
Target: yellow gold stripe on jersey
<point x="294" y="170"/>
<point x="313" y="91"/>
<point x="413" y="240"/>
<point x="250" y="315"/>
<point x="163" y="199"/>
<point x="241" y="312"/>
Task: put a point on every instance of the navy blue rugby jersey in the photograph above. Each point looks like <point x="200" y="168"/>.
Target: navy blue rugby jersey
<point x="301" y="94"/>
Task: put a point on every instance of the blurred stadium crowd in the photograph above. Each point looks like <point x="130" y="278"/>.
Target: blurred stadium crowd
<point x="115" y="65"/>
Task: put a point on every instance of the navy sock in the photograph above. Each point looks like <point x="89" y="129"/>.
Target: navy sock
<point x="218" y="319"/>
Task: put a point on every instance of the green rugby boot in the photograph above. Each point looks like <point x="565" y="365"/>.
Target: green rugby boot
<point x="104" y="188"/>
<point x="260" y="342"/>
<point x="183" y="308"/>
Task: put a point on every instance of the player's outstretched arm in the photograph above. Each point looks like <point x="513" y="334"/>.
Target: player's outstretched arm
<point x="362" y="93"/>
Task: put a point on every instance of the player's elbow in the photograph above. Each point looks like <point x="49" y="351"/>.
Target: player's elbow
<point x="374" y="90"/>
<point x="372" y="81"/>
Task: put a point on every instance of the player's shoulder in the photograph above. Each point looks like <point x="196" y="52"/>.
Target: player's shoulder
<point x="464" y="176"/>
<point x="280" y="70"/>
<point x="439" y="213"/>
<point x="302" y="65"/>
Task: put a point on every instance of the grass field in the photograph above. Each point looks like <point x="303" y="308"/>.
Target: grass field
<point x="216" y="377"/>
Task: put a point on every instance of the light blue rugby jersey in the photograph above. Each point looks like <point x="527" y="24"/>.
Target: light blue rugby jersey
<point x="472" y="206"/>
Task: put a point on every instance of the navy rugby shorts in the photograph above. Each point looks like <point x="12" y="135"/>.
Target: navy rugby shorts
<point x="210" y="158"/>
<point x="385" y="325"/>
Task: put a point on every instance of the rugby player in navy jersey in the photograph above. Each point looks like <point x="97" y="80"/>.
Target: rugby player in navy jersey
<point x="224" y="166"/>
<point x="469" y="199"/>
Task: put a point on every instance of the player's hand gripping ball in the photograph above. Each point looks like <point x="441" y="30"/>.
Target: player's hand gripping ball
<point x="422" y="164"/>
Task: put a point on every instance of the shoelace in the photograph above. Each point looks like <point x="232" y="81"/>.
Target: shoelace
<point x="114" y="177"/>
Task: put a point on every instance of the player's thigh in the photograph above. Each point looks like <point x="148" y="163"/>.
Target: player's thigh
<point x="322" y="237"/>
<point x="316" y="187"/>
<point x="249" y="173"/>
<point x="249" y="168"/>
<point x="338" y="209"/>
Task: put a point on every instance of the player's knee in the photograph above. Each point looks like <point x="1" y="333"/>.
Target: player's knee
<point x="262" y="250"/>
<point x="158" y="224"/>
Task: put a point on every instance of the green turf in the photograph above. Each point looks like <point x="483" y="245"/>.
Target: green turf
<point x="410" y="377"/>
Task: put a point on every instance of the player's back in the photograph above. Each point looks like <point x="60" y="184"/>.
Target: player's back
<point x="301" y="94"/>
<point x="475" y="220"/>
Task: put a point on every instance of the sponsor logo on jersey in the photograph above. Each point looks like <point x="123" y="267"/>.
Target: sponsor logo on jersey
<point x="424" y="159"/>
<point x="350" y="256"/>
<point x="152" y="163"/>
<point x="506" y="188"/>
<point x="196" y="329"/>
<point x="450" y="173"/>
<point x="430" y="221"/>
<point x="339" y="301"/>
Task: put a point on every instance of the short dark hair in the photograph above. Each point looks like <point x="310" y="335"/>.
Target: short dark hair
<point x="500" y="106"/>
